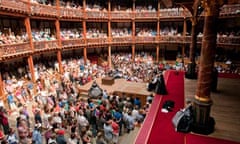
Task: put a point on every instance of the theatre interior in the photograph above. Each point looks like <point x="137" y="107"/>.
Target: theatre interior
<point x="120" y="71"/>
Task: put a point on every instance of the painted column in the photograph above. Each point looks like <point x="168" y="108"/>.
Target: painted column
<point x="202" y="103"/>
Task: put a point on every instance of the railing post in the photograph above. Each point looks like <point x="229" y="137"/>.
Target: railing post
<point x="59" y="42"/>
<point x="31" y="67"/>
<point x="2" y="96"/>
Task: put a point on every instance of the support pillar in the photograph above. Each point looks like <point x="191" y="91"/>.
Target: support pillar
<point x="109" y="57"/>
<point x="85" y="55"/>
<point x="2" y="96"/>
<point x="59" y="59"/>
<point x="133" y="53"/>
<point x="191" y="72"/>
<point x="31" y="67"/>
<point x="157" y="53"/>
<point x="203" y="123"/>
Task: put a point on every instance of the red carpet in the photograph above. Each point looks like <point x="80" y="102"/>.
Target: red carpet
<point x="163" y="130"/>
<point x="198" y="139"/>
<point x="157" y="127"/>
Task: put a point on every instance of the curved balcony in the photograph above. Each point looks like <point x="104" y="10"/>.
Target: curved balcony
<point x="14" y="49"/>
<point x="43" y="10"/>
<point x="145" y="39"/>
<point x="230" y="10"/>
<point x="177" y="13"/>
<point x="96" y="14"/>
<point x="71" y="13"/>
<point x="144" y="15"/>
<point x="119" y="15"/>
<point x="97" y="41"/>
<point x="18" y="6"/>
<point x="122" y="40"/>
<point x="73" y="43"/>
<point x="228" y="40"/>
<point x="173" y="39"/>
<point x="8" y="51"/>
<point x="45" y="45"/>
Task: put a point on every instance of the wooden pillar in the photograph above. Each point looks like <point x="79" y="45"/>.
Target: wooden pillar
<point x="109" y="32"/>
<point x="59" y="53"/>
<point x="31" y="67"/>
<point x="29" y="32"/>
<point x="2" y="96"/>
<point x="157" y="53"/>
<point x="109" y="57"/>
<point x="202" y="103"/>
<point x="109" y="9"/>
<point x="133" y="53"/>
<point x="85" y="33"/>
<point x="85" y="55"/>
<point x="59" y="59"/>
<point x="133" y="40"/>
<point x="184" y="34"/>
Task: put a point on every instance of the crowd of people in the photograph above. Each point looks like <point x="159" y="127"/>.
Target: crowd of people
<point x="60" y="114"/>
<point x="12" y="38"/>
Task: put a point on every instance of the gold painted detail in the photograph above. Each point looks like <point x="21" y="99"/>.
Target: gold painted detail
<point x="203" y="98"/>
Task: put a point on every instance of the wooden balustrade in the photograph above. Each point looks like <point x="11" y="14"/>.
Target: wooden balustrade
<point x="96" y="41"/>
<point x="149" y="15"/>
<point x="97" y="14"/>
<point x="71" y="13"/>
<point x="122" y="40"/>
<point x="14" y="5"/>
<point x="73" y="42"/>
<point x="230" y="9"/>
<point x="145" y="39"/>
<point x="228" y="40"/>
<point x="166" y="13"/>
<point x="45" y="45"/>
<point x="15" y="49"/>
<point x="43" y="10"/>
<point x="121" y="15"/>
<point x="22" y="48"/>
<point x="172" y="39"/>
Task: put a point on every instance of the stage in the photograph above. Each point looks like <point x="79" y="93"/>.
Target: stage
<point x="120" y="87"/>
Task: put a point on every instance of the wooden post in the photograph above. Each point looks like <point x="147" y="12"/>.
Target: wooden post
<point x="29" y="32"/>
<point x="31" y="67"/>
<point x="109" y="57"/>
<point x="157" y="53"/>
<point x="84" y="33"/>
<point x="2" y="95"/>
<point x="202" y="103"/>
<point x="59" y="59"/>
<point x="184" y="35"/>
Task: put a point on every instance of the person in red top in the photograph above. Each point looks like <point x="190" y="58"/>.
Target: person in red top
<point x="4" y="120"/>
<point x="115" y="128"/>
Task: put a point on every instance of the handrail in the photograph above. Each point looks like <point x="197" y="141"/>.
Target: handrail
<point x="13" y="49"/>
<point x="40" y="9"/>
<point x="15" y="5"/>
<point x="121" y="15"/>
<point x="73" y="42"/>
<point x="230" y="9"/>
<point x="146" y="14"/>
<point x="43" y="45"/>
<point x="71" y="13"/>
<point x="97" y="41"/>
<point x="145" y="39"/>
<point x="96" y="14"/>
<point x="122" y="40"/>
